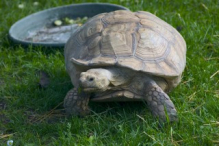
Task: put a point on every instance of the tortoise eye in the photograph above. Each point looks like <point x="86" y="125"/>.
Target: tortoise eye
<point x="91" y="79"/>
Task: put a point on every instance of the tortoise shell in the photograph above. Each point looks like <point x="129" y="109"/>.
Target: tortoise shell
<point x="136" y="40"/>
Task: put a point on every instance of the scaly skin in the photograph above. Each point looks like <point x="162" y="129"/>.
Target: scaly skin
<point x="76" y="103"/>
<point x="159" y="103"/>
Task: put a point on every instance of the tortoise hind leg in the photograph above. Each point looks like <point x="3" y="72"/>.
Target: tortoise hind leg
<point x="159" y="102"/>
<point x="76" y="103"/>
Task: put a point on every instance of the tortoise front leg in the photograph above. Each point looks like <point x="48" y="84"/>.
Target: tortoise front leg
<point x="76" y="103"/>
<point x="159" y="102"/>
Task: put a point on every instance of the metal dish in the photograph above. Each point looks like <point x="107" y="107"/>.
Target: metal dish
<point x="38" y="29"/>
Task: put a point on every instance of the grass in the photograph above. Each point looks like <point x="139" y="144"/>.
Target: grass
<point x="34" y="117"/>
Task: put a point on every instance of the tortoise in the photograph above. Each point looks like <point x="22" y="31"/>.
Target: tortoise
<point x="124" y="56"/>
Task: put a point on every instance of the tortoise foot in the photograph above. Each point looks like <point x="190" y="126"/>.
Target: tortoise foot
<point x="76" y="103"/>
<point x="160" y="104"/>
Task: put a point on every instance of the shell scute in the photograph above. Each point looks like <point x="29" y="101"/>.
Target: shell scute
<point x="120" y="17"/>
<point x="151" y="45"/>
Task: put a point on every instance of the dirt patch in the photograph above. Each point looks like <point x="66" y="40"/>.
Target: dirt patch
<point x="43" y="79"/>
<point x="49" y="117"/>
<point x="2" y="105"/>
<point x="2" y="83"/>
<point x="52" y="116"/>
<point x="3" y="118"/>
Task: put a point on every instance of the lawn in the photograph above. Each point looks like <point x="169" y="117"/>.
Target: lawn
<point x="32" y="116"/>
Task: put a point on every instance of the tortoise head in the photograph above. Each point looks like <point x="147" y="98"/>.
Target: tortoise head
<point x="94" y="80"/>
